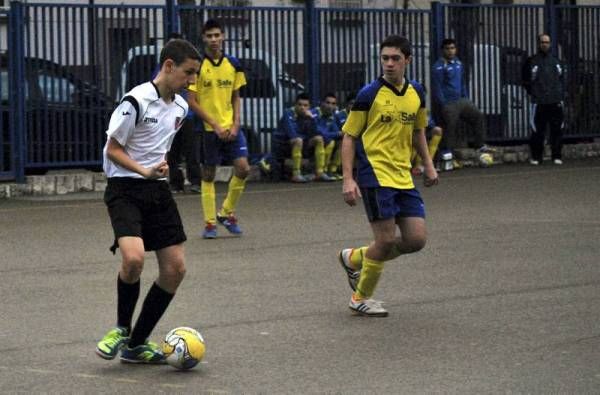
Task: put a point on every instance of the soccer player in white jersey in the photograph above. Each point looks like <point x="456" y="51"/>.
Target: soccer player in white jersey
<point x="142" y="211"/>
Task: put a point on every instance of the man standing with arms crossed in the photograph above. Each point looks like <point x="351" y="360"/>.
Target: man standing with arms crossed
<point x="215" y="98"/>
<point x="387" y="120"/>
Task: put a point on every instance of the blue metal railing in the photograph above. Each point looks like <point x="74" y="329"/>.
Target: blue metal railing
<point x="70" y="64"/>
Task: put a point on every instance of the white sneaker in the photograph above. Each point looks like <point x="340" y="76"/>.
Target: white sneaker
<point x="367" y="308"/>
<point x="558" y="162"/>
<point x="533" y="162"/>
<point x="353" y="275"/>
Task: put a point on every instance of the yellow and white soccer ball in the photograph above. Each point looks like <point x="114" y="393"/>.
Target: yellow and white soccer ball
<point x="183" y="347"/>
<point x="486" y="160"/>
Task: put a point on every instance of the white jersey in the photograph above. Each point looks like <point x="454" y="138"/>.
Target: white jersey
<point x="145" y="125"/>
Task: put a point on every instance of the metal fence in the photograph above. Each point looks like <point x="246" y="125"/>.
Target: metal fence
<point x="494" y="41"/>
<point x="7" y="162"/>
<point x="69" y="64"/>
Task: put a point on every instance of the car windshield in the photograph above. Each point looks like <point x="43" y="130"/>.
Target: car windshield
<point x="56" y="89"/>
<point x="258" y="78"/>
<point x="4" y="87"/>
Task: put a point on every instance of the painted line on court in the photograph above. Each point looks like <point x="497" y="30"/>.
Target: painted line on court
<point x="132" y="381"/>
<point x="167" y="385"/>
<point x="96" y="376"/>
<point x="87" y="376"/>
<point x="41" y="371"/>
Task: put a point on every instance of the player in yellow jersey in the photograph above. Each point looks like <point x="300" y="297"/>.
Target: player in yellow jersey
<point x="215" y="98"/>
<point x="387" y="120"/>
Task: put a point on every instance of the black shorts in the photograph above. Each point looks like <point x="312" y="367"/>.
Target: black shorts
<point x="143" y="208"/>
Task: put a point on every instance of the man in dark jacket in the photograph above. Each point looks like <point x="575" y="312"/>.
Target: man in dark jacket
<point x="544" y="78"/>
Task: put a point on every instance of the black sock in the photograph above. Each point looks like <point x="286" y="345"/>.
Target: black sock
<point x="127" y="296"/>
<point x="155" y="304"/>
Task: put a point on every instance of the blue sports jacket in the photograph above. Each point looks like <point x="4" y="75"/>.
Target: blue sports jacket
<point x="448" y="81"/>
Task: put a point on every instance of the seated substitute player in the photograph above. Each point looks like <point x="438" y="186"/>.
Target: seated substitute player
<point x="215" y="98"/>
<point x="434" y="135"/>
<point x="386" y="122"/>
<point x="297" y="133"/>
<point x="142" y="211"/>
<point x="327" y="127"/>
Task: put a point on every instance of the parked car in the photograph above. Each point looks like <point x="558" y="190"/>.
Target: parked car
<point x="65" y="117"/>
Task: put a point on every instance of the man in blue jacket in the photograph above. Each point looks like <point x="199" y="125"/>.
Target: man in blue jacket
<point x="296" y="136"/>
<point x="451" y="101"/>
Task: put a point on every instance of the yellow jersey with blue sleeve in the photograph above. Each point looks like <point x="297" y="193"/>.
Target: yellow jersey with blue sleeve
<point x="382" y="121"/>
<point x="215" y="86"/>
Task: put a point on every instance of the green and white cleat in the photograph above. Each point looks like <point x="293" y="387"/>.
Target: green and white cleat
<point x="149" y="353"/>
<point x="112" y="342"/>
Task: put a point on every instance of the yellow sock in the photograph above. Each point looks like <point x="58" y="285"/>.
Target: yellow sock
<point x="329" y="152"/>
<point x="433" y="144"/>
<point x="208" y="202"/>
<point x="234" y="192"/>
<point x="336" y="161"/>
<point x="357" y="255"/>
<point x="296" y="160"/>
<point x="369" y="277"/>
<point x="319" y="157"/>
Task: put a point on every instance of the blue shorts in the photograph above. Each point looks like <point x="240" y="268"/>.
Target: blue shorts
<point x="216" y="152"/>
<point x="385" y="203"/>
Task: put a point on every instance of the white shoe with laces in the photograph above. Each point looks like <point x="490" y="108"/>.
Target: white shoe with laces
<point x="367" y="307"/>
<point x="533" y="162"/>
<point x="558" y="162"/>
<point x="353" y="275"/>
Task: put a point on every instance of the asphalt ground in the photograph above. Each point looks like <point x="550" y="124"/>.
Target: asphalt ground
<point x="505" y="297"/>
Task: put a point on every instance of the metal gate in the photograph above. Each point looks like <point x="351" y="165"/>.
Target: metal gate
<point x="70" y="63"/>
<point x="7" y="137"/>
<point x="347" y="46"/>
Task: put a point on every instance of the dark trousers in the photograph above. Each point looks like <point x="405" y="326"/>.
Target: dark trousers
<point x="186" y="144"/>
<point x="467" y="111"/>
<point x="543" y="116"/>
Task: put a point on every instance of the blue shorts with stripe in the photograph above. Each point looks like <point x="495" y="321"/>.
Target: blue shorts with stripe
<point x="385" y="203"/>
<point x="216" y="152"/>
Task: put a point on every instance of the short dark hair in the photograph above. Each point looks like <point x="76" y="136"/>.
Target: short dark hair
<point x="173" y="35"/>
<point x="302" y="96"/>
<point x="211" y="24"/>
<point x="179" y="50"/>
<point x="448" y="41"/>
<point x="396" y="41"/>
<point x="328" y="94"/>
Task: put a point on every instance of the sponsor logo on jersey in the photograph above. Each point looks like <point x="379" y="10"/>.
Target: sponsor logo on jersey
<point x="150" y="120"/>
<point x="224" y="83"/>
<point x="403" y="117"/>
<point x="206" y="84"/>
<point x="125" y="113"/>
<point x="407" y="118"/>
<point x="385" y="118"/>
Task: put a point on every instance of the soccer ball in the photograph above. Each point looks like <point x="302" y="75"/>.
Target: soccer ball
<point x="486" y="160"/>
<point x="183" y="347"/>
